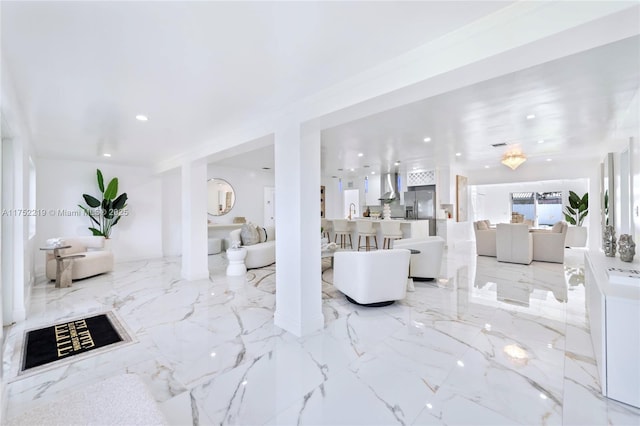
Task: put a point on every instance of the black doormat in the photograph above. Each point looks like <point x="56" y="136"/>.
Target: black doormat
<point x="60" y="341"/>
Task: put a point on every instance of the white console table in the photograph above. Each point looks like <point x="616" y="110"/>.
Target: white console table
<point x="614" y="318"/>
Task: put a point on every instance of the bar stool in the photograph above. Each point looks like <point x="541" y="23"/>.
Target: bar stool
<point x="326" y="228"/>
<point x="390" y="231"/>
<point x="341" y="228"/>
<point x="365" y="229"/>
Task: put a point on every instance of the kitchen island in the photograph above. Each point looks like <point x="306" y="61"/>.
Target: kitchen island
<point x="409" y="228"/>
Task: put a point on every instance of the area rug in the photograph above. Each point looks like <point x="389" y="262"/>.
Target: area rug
<point x="66" y="341"/>
<point x="118" y="400"/>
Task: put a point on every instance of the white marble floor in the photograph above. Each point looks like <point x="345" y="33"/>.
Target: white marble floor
<point x="488" y="343"/>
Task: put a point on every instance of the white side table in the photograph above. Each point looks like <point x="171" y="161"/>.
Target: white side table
<point x="236" y="261"/>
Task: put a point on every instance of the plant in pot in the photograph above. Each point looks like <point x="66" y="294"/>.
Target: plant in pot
<point x="107" y="212"/>
<point x="575" y="213"/>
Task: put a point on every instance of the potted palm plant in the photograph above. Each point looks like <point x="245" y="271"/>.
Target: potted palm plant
<point x="107" y="212"/>
<point x="574" y="214"/>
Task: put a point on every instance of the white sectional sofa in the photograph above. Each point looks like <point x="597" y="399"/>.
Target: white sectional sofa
<point x="96" y="259"/>
<point x="260" y="254"/>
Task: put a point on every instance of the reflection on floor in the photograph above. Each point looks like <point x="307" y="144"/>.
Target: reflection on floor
<point x="488" y="343"/>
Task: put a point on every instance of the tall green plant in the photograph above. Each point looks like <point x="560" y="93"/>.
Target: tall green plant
<point x="577" y="209"/>
<point x="105" y="213"/>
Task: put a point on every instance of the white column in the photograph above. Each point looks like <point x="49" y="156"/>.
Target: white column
<point x="194" y="220"/>
<point x="298" y="272"/>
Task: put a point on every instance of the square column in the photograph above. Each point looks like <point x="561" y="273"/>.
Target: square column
<point x="194" y="221"/>
<point x="298" y="263"/>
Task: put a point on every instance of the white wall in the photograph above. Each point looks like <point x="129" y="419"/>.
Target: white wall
<point x="249" y="187"/>
<point x="61" y="184"/>
<point x="171" y="213"/>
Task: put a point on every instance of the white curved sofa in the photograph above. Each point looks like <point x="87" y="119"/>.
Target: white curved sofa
<point x="96" y="259"/>
<point x="427" y="263"/>
<point x="372" y="278"/>
<point x="258" y="255"/>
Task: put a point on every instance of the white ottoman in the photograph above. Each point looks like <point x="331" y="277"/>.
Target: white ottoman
<point x="215" y="245"/>
<point x="236" y="261"/>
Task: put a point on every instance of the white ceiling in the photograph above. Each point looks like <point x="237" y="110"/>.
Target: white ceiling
<point x="84" y="70"/>
<point x="578" y="102"/>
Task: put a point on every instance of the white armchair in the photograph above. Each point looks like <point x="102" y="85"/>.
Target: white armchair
<point x="548" y="245"/>
<point x="427" y="263"/>
<point x="514" y="243"/>
<point x="96" y="260"/>
<point x="372" y="278"/>
<point x="485" y="238"/>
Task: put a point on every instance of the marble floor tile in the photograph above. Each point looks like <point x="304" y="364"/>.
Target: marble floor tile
<point x="486" y="343"/>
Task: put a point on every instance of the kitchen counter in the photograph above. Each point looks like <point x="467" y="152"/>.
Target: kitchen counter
<point x="409" y="228"/>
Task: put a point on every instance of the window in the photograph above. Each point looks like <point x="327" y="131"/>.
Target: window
<point x="32" y="199"/>
<point x="546" y="207"/>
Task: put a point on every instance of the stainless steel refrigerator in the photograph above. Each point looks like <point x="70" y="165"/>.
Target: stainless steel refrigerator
<point x="420" y="204"/>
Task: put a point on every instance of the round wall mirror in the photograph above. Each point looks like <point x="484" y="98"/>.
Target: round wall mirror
<point x="221" y="197"/>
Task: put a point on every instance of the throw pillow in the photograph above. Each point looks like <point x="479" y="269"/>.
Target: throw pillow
<point x="557" y="227"/>
<point x="481" y="225"/>
<point x="249" y="235"/>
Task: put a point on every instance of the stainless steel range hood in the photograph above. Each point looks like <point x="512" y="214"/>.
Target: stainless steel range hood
<point x="389" y="187"/>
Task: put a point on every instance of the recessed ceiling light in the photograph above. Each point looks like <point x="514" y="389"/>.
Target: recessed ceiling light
<point x="397" y="163"/>
<point x="460" y="363"/>
<point x="415" y="168"/>
<point x="549" y="159"/>
<point x="352" y="170"/>
<point x="360" y="154"/>
<point x="429" y="406"/>
<point x="427" y="139"/>
<point x="531" y="116"/>
<point x="373" y="173"/>
<point x="141" y="117"/>
<point x="486" y="167"/>
<point x="106" y="154"/>
<point x="458" y="154"/>
<point x="541" y="141"/>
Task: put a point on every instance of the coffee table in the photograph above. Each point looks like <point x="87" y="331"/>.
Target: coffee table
<point x="64" y="271"/>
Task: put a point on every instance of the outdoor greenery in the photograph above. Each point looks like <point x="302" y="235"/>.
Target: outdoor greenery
<point x="105" y="213"/>
<point x="577" y="209"/>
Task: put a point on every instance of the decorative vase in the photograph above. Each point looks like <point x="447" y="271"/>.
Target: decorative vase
<point x="626" y="247"/>
<point x="386" y="211"/>
<point x="609" y="241"/>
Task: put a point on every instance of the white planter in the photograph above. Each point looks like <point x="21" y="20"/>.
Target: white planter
<point x="576" y="236"/>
